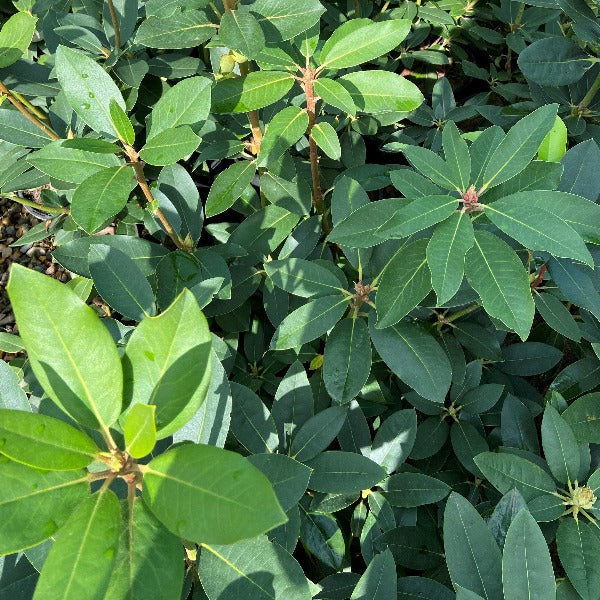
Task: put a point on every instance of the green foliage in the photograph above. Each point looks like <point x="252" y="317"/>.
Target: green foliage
<point x="334" y="331"/>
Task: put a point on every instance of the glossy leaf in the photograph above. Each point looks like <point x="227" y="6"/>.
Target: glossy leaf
<point x="519" y="146"/>
<point x="81" y="560"/>
<point x="167" y="363"/>
<point x="526" y="564"/>
<point x="101" y="196"/>
<point x="361" y="41"/>
<point x="34" y="504"/>
<point x="170" y="145"/>
<point x="335" y="94"/>
<point x="15" y="37"/>
<point x="310" y="321"/>
<point x="241" y="31"/>
<point x="228" y="187"/>
<point x="446" y="253"/>
<point x="140" y="430"/>
<point x="406" y="280"/>
<point x="472" y="555"/>
<point x="74" y="374"/>
<point x="254" y="91"/>
<point x="498" y="276"/>
<point x="408" y="490"/>
<point x="508" y="471"/>
<point x="327" y="139"/>
<point x="210" y="495"/>
<point x="579" y="552"/>
<point x="44" y="442"/>
<point x="302" y="277"/>
<point x="120" y="282"/>
<point x="415" y="357"/>
<point x="541" y="230"/>
<point x="256" y="569"/>
<point x="347" y="359"/>
<point x="88" y="89"/>
<point x="284" y="130"/>
<point x="378" y="582"/>
<point x="376" y="92"/>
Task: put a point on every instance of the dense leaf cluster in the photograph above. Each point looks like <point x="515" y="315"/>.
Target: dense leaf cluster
<point x="334" y="326"/>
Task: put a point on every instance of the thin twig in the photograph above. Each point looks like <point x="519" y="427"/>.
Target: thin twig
<point x="19" y="106"/>
<point x="115" y="23"/>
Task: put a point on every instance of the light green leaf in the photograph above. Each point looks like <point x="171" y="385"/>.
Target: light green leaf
<point x="34" y="504"/>
<point x="170" y="145"/>
<point x="526" y="564"/>
<point x="167" y="363"/>
<point x="11" y="343"/>
<point x="148" y="562"/>
<point x="302" y="277"/>
<point x="181" y="29"/>
<point x="186" y="103"/>
<point x="82" y="557"/>
<point x="554" y="145"/>
<point x="508" y="471"/>
<point x="101" y="196"/>
<point x="381" y="91"/>
<point x="15" y="37"/>
<point x="44" y="442"/>
<point x="209" y="495"/>
<point x="457" y="155"/>
<point x="139" y="430"/>
<point x="121" y="282"/>
<point x="362" y="40"/>
<point x="228" y="186"/>
<point x="282" y="20"/>
<point x="255" y="90"/>
<point x="472" y="555"/>
<point x="560" y="446"/>
<point x="11" y="394"/>
<point x="347" y="359"/>
<point x="256" y="569"/>
<point x="446" y="253"/>
<point x="335" y="94"/>
<point x="406" y="280"/>
<point x="82" y="374"/>
<point x="539" y="230"/>
<point x="88" y="89"/>
<point x="121" y="123"/>
<point x="326" y="138"/>
<point x="519" y="146"/>
<point x="241" y="31"/>
<point x="498" y="276"/>
<point x="415" y="357"/>
<point x="310" y="321"/>
<point x="70" y="164"/>
<point x="578" y="545"/>
<point x="282" y="132"/>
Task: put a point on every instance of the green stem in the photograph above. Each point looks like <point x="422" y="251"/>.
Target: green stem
<point x="52" y="210"/>
<point x="19" y="106"/>
<point x="253" y="117"/>
<point x="462" y="313"/>
<point x="589" y="97"/>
